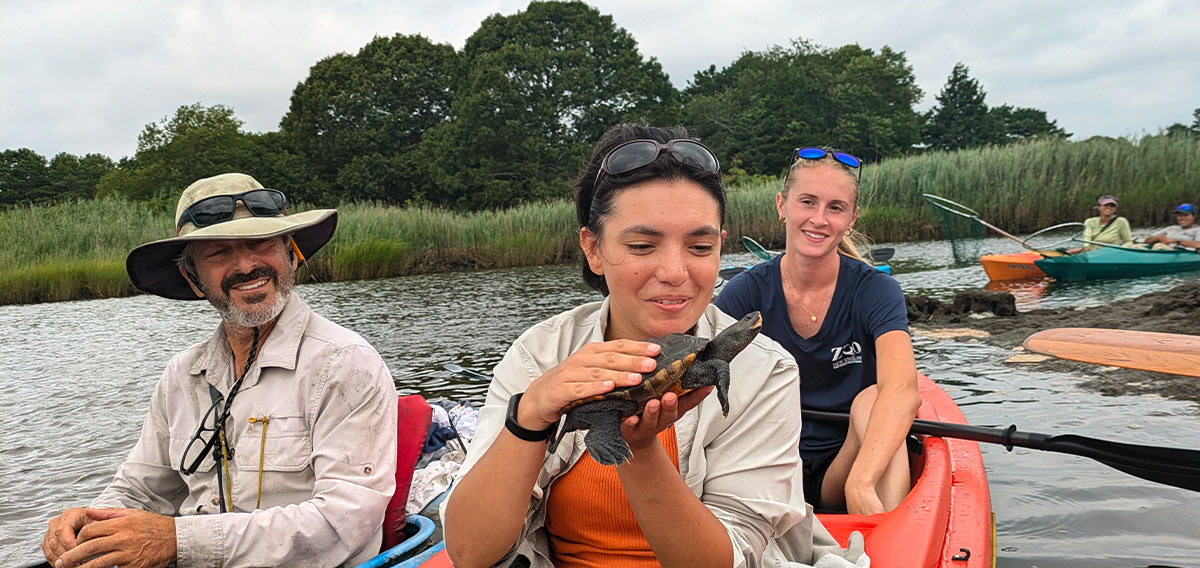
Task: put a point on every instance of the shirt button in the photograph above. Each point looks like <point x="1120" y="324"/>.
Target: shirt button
<point x="367" y="470"/>
<point x="215" y="501"/>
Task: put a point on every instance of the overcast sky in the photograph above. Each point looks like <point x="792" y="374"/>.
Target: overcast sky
<point x="86" y="76"/>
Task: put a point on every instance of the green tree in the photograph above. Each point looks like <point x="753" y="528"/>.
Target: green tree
<point x="358" y="119"/>
<point x="1178" y="129"/>
<point x="754" y="111"/>
<point x="540" y="87"/>
<point x="1023" y="123"/>
<point x="23" y="177"/>
<point x="72" y="177"/>
<point x="198" y="142"/>
<point x="960" y="119"/>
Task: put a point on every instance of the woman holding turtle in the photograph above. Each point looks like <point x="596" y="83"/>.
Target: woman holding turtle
<point x="700" y="489"/>
<point x="847" y="327"/>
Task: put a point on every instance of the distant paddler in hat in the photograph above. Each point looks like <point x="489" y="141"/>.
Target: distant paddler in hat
<point x="1184" y="233"/>
<point x="1108" y="227"/>
<point x="271" y="444"/>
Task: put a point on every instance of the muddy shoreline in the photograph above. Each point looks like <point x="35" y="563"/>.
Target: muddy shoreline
<point x="991" y="317"/>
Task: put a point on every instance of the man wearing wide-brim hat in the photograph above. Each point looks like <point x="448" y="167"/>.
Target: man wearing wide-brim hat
<point x="271" y="444"/>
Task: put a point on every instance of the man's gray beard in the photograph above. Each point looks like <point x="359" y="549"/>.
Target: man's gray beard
<point x="258" y="314"/>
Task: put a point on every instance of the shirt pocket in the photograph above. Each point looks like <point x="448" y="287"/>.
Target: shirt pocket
<point x="286" y="447"/>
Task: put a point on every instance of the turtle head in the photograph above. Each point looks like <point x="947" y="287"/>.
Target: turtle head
<point x="733" y="339"/>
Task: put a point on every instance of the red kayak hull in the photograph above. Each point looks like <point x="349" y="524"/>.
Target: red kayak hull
<point x="946" y="520"/>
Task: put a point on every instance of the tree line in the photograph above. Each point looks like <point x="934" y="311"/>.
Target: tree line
<point x="510" y="117"/>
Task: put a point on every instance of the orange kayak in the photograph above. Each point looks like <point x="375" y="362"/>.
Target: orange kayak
<point x="946" y="520"/>
<point x="1013" y="266"/>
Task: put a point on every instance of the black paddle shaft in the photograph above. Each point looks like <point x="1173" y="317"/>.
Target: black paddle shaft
<point x="1170" y="466"/>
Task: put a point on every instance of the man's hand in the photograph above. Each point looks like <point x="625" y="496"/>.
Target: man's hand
<point x="60" y="537"/>
<point x="122" y="537"/>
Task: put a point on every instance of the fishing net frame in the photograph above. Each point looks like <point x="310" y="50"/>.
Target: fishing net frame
<point x="960" y="225"/>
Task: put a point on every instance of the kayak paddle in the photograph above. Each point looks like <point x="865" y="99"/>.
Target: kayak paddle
<point x="465" y="372"/>
<point x="1170" y="466"/>
<point x="757" y="250"/>
<point x="1144" y="350"/>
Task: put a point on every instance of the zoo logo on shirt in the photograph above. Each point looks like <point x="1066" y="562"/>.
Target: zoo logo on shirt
<point x="847" y="354"/>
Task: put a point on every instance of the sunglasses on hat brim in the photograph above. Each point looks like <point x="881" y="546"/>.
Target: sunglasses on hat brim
<point x="635" y="154"/>
<point x="220" y="208"/>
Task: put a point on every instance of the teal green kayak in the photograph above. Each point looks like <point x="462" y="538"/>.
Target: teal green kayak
<point x="1118" y="262"/>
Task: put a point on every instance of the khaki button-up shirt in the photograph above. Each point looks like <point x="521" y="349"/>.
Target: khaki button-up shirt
<point x="328" y="462"/>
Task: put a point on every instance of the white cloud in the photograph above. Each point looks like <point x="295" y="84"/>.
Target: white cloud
<point x="86" y="77"/>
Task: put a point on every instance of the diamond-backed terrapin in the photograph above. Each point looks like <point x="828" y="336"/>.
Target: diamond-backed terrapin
<point x="685" y="363"/>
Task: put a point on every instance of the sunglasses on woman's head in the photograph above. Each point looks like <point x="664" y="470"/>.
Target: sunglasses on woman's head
<point x="815" y="153"/>
<point x="220" y="208"/>
<point x="635" y="154"/>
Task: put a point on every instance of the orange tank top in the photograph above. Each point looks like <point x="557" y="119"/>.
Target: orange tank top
<point x="589" y="519"/>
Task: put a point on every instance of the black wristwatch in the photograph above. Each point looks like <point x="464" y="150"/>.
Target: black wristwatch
<point x="510" y="423"/>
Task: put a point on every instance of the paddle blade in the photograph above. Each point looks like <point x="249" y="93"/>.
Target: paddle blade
<point x="1144" y="350"/>
<point x="882" y="254"/>
<point x="465" y="372"/>
<point x="756" y="249"/>
<point x="1176" y="467"/>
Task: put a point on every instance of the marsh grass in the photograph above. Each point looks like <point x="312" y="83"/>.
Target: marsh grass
<point x="77" y="250"/>
<point x="59" y="281"/>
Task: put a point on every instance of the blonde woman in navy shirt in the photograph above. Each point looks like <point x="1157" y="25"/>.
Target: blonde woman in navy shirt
<point x="846" y="324"/>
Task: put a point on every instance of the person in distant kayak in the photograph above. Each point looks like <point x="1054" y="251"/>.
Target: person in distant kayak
<point x="700" y="489"/>
<point x="847" y="326"/>
<point x="1184" y="233"/>
<point x="271" y="444"/>
<point x="1108" y="227"/>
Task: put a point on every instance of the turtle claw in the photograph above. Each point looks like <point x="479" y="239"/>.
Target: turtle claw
<point x="610" y="454"/>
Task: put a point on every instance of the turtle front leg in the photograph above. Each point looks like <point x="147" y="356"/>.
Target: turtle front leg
<point x="714" y="372"/>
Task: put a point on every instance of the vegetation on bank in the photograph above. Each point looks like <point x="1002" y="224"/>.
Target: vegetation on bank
<point x="77" y="250"/>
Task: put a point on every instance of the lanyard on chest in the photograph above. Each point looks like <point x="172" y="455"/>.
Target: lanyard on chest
<point x="223" y="452"/>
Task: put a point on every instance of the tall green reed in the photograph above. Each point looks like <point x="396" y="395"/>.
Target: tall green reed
<point x="77" y="249"/>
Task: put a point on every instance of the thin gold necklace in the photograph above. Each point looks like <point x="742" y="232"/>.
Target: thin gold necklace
<point x="796" y="295"/>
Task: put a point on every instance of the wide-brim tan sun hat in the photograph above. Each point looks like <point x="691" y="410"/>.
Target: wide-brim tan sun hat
<point x="152" y="267"/>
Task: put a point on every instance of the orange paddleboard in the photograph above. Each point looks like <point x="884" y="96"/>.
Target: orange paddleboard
<point x="1145" y="350"/>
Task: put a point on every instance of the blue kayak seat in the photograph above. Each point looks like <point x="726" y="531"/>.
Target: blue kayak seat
<point x="419" y="530"/>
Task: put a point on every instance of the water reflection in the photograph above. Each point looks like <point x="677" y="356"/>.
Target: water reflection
<point x="76" y="379"/>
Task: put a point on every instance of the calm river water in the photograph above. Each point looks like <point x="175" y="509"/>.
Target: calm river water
<point x="75" y="379"/>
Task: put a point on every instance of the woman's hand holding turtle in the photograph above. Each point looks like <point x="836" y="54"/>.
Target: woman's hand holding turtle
<point x="642" y="431"/>
<point x="593" y="370"/>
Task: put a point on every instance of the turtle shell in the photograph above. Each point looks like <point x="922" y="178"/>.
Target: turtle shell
<point x="678" y="353"/>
